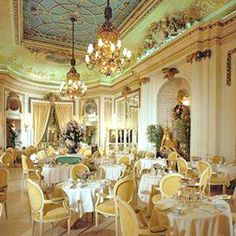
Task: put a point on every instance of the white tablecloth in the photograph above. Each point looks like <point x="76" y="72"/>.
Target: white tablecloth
<point x="82" y="196"/>
<point x="201" y="221"/>
<point x="147" y="163"/>
<point x="145" y="186"/>
<point x="56" y="174"/>
<point x="113" y="172"/>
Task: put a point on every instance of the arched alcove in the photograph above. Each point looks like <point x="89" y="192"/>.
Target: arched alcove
<point x="166" y="99"/>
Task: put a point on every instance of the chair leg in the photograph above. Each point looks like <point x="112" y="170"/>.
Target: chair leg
<point x="33" y="226"/>
<point x="116" y="225"/>
<point x="68" y="226"/>
<point x="209" y="190"/>
<point x="96" y="218"/>
<point x="51" y="226"/>
<point x="41" y="229"/>
<point x="5" y="206"/>
<point x="224" y="188"/>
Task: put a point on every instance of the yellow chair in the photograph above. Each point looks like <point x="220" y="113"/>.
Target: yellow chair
<point x="124" y="160"/>
<point x="87" y="154"/>
<point x="149" y="155"/>
<point x="216" y="160"/>
<point x="3" y="188"/>
<point x="105" y="204"/>
<point x="190" y="173"/>
<point x="204" y="179"/>
<point x="1" y="209"/>
<point x="129" y="221"/>
<point x="41" y="155"/>
<point x="182" y="165"/>
<point x="202" y="166"/>
<point x="82" y="150"/>
<point x="76" y="169"/>
<point x="96" y="155"/>
<point x="6" y="159"/>
<point x="170" y="185"/>
<point x="46" y="211"/>
<point x="172" y="159"/>
<point x="51" y="151"/>
<point x="30" y="171"/>
<point x="63" y="151"/>
<point x="126" y="150"/>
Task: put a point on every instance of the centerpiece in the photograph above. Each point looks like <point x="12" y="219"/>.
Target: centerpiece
<point x="73" y="134"/>
<point x="83" y="175"/>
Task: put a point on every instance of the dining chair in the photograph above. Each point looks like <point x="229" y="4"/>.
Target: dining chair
<point x="172" y="159"/>
<point x="126" y="150"/>
<point x="105" y="204"/>
<point x="44" y="210"/>
<point x="76" y="169"/>
<point x="129" y="222"/>
<point x="1" y="209"/>
<point x="216" y="159"/>
<point x="96" y="155"/>
<point x="51" y="151"/>
<point x="182" y="165"/>
<point x="3" y="188"/>
<point x="204" y="180"/>
<point x="87" y="154"/>
<point x="124" y="160"/>
<point x="6" y="159"/>
<point x="41" y="155"/>
<point x="170" y="184"/>
<point x="149" y="155"/>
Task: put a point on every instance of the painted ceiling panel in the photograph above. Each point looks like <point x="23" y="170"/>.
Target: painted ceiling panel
<point x="48" y="20"/>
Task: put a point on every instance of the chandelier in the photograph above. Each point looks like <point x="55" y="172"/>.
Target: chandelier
<point x="72" y="87"/>
<point x="107" y="54"/>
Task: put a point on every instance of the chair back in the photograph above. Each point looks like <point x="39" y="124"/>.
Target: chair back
<point x="170" y="184"/>
<point x="137" y="168"/>
<point x="41" y="155"/>
<point x="1" y="209"/>
<point x="128" y="219"/>
<point x="36" y="196"/>
<point x="189" y="173"/>
<point x="126" y="150"/>
<point x="182" y="165"/>
<point x="134" y="151"/>
<point x="87" y="153"/>
<point x="149" y="155"/>
<point x="82" y="150"/>
<point x="203" y="165"/>
<point x="124" y="160"/>
<point x="63" y="151"/>
<point x="172" y="156"/>
<point x="216" y="160"/>
<point x="24" y="162"/>
<point x="76" y="169"/>
<point x="96" y="155"/>
<point x="7" y="158"/>
<point x="205" y="176"/>
<point x="3" y="177"/>
<point x="125" y="189"/>
<point x="51" y="151"/>
<point x="10" y="149"/>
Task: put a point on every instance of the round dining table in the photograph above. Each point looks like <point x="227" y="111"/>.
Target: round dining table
<point x="82" y="195"/>
<point x="56" y="174"/>
<point x="212" y="217"/>
<point x="145" y="186"/>
<point x="114" y="171"/>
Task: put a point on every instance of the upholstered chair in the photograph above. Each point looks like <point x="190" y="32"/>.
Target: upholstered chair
<point x="6" y="159"/>
<point x="170" y="185"/>
<point x="216" y="160"/>
<point x="76" y="169"/>
<point x="149" y="155"/>
<point x="87" y="154"/>
<point x="172" y="159"/>
<point x="105" y="204"/>
<point x="182" y="165"/>
<point x="46" y="211"/>
<point x="129" y="221"/>
<point x="124" y="160"/>
<point x="3" y="188"/>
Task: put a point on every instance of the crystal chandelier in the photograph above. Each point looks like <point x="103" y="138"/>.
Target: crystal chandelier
<point x="107" y="54"/>
<point x="72" y="87"/>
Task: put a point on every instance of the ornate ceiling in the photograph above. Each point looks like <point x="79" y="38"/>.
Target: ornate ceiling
<point x="35" y="36"/>
<point x="48" y="20"/>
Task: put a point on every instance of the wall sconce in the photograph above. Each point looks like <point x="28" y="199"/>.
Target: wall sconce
<point x="186" y="101"/>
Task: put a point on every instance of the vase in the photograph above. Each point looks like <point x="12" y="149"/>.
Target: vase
<point x="71" y="145"/>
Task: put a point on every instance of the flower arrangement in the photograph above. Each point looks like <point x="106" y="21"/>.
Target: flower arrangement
<point x="83" y="175"/>
<point x="73" y="134"/>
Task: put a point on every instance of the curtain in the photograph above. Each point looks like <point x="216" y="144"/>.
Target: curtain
<point x="41" y="112"/>
<point x="63" y="113"/>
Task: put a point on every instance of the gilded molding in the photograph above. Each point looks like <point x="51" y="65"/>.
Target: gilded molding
<point x="144" y="80"/>
<point x="228" y="67"/>
<point x="52" y="97"/>
<point x="198" y="56"/>
<point x="169" y="73"/>
<point x="126" y="91"/>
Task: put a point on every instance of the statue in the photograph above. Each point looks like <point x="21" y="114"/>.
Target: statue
<point x="181" y="125"/>
<point x="167" y="139"/>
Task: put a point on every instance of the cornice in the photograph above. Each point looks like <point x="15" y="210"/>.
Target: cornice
<point x="200" y="37"/>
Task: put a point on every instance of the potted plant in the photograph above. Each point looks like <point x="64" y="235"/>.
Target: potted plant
<point x="155" y="134"/>
<point x="72" y="135"/>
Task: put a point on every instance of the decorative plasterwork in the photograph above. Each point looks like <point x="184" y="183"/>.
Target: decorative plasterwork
<point x="169" y="73"/>
<point x="126" y="91"/>
<point x="198" y="56"/>
<point x="13" y="102"/>
<point x="229" y="64"/>
<point x="144" y="80"/>
<point x="52" y="97"/>
<point x="164" y="30"/>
